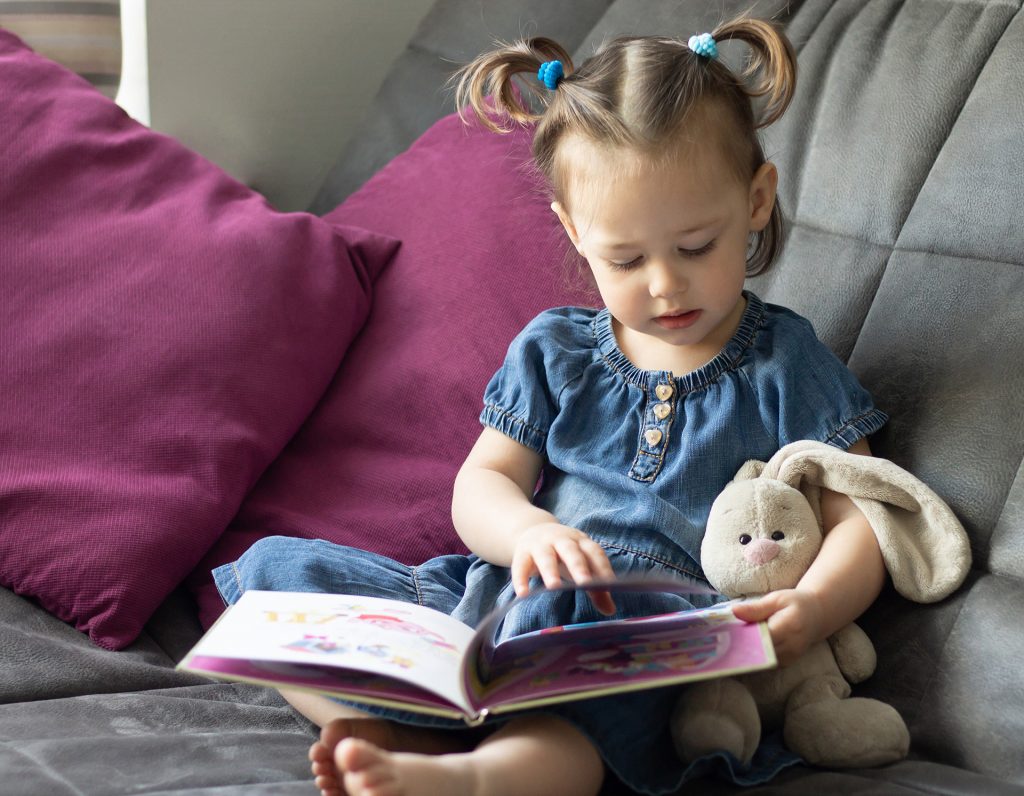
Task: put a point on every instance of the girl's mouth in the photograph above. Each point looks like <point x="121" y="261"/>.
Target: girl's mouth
<point x="678" y="320"/>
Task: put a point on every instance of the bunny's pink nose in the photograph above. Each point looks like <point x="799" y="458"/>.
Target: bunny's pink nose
<point x="760" y="551"/>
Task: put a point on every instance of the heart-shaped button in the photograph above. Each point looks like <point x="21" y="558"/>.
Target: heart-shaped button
<point x="661" y="411"/>
<point x="663" y="391"/>
<point x="653" y="437"/>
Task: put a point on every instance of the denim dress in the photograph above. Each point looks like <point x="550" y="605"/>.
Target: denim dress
<point x="633" y="458"/>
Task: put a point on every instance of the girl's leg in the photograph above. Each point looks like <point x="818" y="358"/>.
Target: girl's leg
<point x="338" y="722"/>
<point x="529" y="756"/>
<point x="320" y="710"/>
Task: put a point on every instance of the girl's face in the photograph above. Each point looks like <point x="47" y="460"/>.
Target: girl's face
<point x="667" y="244"/>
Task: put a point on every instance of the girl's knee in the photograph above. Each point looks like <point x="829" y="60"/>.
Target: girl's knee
<point x="282" y="563"/>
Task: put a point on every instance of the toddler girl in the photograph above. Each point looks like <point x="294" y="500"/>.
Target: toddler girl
<point x="633" y="417"/>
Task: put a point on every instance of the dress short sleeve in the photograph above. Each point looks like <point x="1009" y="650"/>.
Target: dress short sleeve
<point x="804" y="391"/>
<point x="522" y="398"/>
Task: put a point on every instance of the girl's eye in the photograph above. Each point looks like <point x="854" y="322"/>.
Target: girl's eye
<point x="707" y="247"/>
<point x="635" y="262"/>
<point x="626" y="266"/>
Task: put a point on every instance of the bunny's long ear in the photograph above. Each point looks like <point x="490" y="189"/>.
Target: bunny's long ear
<point x="925" y="548"/>
<point x="751" y="468"/>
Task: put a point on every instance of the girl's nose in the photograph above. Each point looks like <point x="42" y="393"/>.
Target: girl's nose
<point x="665" y="279"/>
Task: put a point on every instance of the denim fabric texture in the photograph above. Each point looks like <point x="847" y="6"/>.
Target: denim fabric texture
<point x="634" y="458"/>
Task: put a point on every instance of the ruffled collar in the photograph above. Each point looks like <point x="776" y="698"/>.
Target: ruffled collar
<point x="726" y="359"/>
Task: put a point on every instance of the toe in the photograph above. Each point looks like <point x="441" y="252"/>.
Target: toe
<point x="328" y="785"/>
<point x="354" y="754"/>
<point x="319" y="752"/>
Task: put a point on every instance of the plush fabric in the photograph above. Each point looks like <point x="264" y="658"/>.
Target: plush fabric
<point x="481" y="254"/>
<point x="163" y="333"/>
<point x="926" y="550"/>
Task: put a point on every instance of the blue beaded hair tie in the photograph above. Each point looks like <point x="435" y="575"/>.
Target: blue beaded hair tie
<point x="703" y="45"/>
<point x="550" y="73"/>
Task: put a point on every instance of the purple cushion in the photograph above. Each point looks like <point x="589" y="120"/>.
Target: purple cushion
<point x="163" y="334"/>
<point x="481" y="254"/>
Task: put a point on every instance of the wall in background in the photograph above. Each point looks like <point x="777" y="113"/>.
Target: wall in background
<point x="269" y="89"/>
<point x="133" y="95"/>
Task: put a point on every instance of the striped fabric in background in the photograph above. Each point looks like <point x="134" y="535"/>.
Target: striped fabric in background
<point x="83" y="35"/>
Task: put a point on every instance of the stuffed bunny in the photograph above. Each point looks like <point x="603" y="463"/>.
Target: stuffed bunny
<point x="763" y="532"/>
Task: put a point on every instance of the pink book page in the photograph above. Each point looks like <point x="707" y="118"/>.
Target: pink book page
<point x="605" y="657"/>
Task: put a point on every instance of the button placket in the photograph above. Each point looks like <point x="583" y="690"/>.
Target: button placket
<point x="656" y="428"/>
<point x="661" y="398"/>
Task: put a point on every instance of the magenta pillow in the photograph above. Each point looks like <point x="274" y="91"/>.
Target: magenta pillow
<point x="481" y="254"/>
<point x="163" y="333"/>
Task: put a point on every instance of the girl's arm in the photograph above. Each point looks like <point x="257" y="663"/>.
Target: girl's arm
<point x="494" y="515"/>
<point x="840" y="584"/>
<point x="492" y="500"/>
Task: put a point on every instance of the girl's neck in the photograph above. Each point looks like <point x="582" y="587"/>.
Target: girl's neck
<point x="650" y="353"/>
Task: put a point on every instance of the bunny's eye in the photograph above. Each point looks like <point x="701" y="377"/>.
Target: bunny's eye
<point x="745" y="538"/>
<point x="778" y="536"/>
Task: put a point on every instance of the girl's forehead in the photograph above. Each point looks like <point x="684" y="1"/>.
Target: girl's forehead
<point x="592" y="172"/>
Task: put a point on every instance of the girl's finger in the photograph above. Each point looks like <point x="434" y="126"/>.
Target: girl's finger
<point x="575" y="560"/>
<point x="597" y="558"/>
<point x="754" y="610"/>
<point x="603" y="601"/>
<point x="546" y="561"/>
<point x="598" y="566"/>
<point x="523" y="568"/>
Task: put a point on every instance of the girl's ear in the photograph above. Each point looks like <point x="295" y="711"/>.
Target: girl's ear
<point x="762" y="195"/>
<point x="570" y="228"/>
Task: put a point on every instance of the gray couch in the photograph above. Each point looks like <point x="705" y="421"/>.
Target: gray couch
<point x="902" y="163"/>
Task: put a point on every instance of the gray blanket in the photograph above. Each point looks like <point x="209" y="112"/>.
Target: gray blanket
<point x="76" y="719"/>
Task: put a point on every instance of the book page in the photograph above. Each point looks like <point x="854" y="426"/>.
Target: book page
<point x="611" y="655"/>
<point x="617" y="656"/>
<point x="313" y="640"/>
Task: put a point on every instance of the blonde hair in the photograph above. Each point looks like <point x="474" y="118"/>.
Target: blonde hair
<point x="640" y="92"/>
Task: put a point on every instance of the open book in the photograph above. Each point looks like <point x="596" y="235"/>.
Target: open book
<point x="386" y="652"/>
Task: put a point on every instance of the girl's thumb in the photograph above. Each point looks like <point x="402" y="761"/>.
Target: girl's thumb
<point x="753" y="610"/>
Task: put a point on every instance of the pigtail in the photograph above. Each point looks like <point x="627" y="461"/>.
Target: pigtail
<point x="771" y="67"/>
<point x="486" y="85"/>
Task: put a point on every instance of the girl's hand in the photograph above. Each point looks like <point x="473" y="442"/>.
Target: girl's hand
<point x="551" y="550"/>
<point x="795" y="620"/>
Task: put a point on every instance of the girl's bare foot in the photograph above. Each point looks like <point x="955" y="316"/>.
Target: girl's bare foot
<point x="385" y="736"/>
<point x="368" y="770"/>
